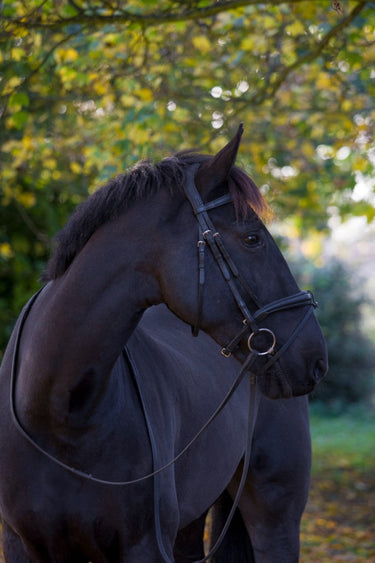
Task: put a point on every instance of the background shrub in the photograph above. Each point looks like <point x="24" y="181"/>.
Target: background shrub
<point x="351" y="376"/>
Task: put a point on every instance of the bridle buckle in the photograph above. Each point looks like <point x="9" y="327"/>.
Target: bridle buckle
<point x="226" y="353"/>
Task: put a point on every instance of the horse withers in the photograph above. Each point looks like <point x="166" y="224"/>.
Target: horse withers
<point x="82" y="422"/>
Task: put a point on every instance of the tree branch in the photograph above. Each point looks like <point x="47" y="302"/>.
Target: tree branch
<point x="259" y="97"/>
<point x="125" y="16"/>
<point x="5" y="98"/>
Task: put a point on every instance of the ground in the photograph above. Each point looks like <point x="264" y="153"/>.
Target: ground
<point x="339" y="525"/>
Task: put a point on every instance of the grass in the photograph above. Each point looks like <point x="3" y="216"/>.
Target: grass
<point x="344" y="440"/>
<point x="339" y="525"/>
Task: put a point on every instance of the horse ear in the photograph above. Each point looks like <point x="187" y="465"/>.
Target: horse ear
<point x="215" y="171"/>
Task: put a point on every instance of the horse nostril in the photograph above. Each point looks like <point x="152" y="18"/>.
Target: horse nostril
<point x="320" y="370"/>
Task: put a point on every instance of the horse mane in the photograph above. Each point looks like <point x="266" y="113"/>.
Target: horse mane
<point x="141" y="181"/>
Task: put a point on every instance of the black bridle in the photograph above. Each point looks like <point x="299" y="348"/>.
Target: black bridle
<point x="208" y="235"/>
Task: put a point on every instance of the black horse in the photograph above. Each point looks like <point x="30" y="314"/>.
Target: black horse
<point x="83" y="419"/>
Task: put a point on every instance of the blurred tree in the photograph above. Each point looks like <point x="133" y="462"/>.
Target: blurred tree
<point x="87" y="87"/>
<point x="351" y="352"/>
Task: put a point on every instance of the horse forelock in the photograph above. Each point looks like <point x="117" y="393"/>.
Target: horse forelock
<point x="143" y="180"/>
<point x="246" y="195"/>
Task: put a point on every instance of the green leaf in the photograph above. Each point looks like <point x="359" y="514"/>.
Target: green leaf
<point x="19" y="119"/>
<point x="19" y="99"/>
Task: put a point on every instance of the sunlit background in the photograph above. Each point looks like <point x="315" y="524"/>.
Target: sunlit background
<point x="87" y="88"/>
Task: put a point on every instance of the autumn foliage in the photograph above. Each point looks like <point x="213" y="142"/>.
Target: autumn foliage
<point x="88" y="88"/>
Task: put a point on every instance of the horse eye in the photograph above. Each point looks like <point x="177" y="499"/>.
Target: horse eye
<point x="251" y="240"/>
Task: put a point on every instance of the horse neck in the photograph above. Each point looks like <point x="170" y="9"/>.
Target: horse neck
<point x="76" y="330"/>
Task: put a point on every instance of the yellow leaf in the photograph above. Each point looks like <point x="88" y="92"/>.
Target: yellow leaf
<point x="247" y="44"/>
<point x="323" y="81"/>
<point x="145" y="94"/>
<point x="360" y="164"/>
<point x="17" y="53"/>
<point x="108" y="99"/>
<point x="69" y="54"/>
<point x="6" y="250"/>
<point x="128" y="100"/>
<point x="50" y="163"/>
<point x="20" y="31"/>
<point x="308" y="149"/>
<point x="67" y="74"/>
<point x="75" y="167"/>
<point x="100" y="88"/>
<point x="201" y="43"/>
<point x="294" y="29"/>
<point x="140" y="136"/>
<point x="37" y="40"/>
<point x="26" y="199"/>
<point x="27" y="142"/>
<point x="12" y="84"/>
<point x="8" y="174"/>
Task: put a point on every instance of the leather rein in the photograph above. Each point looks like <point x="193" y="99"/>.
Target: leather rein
<point x="208" y="236"/>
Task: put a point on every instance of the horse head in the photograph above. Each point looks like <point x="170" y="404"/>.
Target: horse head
<point x="242" y="280"/>
<point x="187" y="231"/>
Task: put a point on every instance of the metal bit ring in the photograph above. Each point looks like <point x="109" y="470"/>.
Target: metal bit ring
<point x="258" y="352"/>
